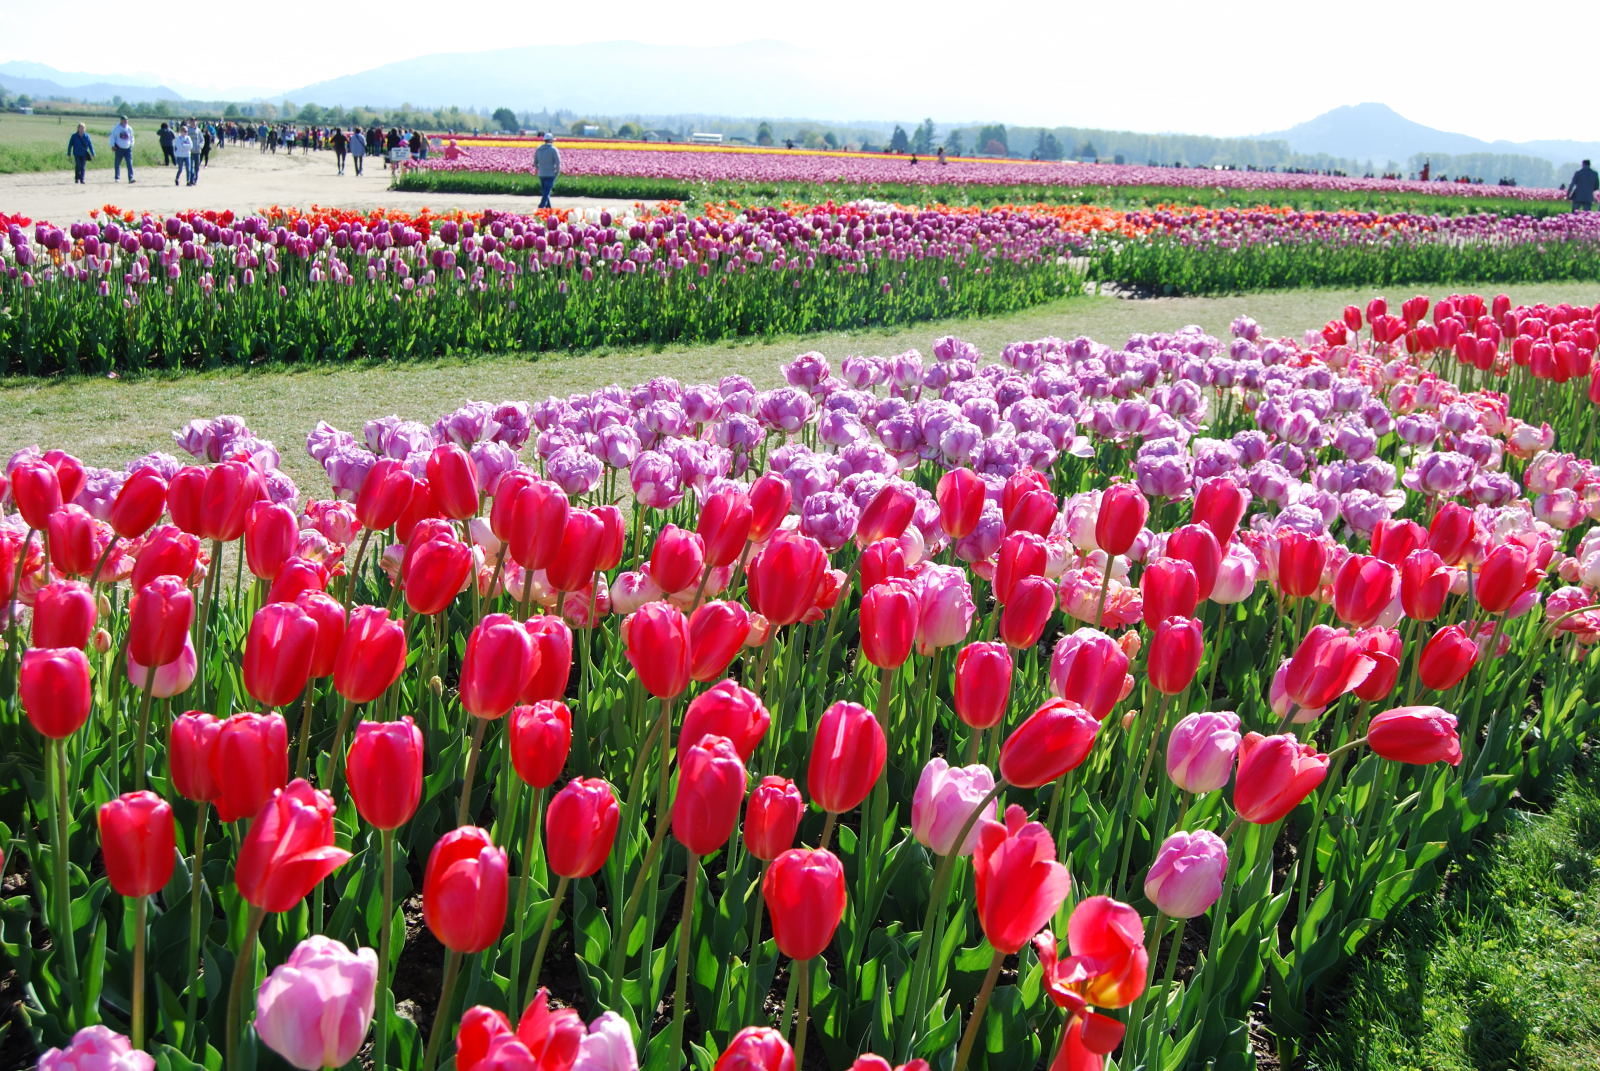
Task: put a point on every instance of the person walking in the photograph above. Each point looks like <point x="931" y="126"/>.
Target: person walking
<point x="340" y="143"/>
<point x="182" y="146"/>
<point x="1581" y="189"/>
<point x="165" y="136"/>
<point x="205" y="145"/>
<point x="81" y="148"/>
<point x="122" y="149"/>
<point x="547" y="163"/>
<point x="358" y="148"/>
<point x="261" y="137"/>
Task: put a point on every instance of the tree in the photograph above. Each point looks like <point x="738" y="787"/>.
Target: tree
<point x="992" y="140"/>
<point x="830" y="140"/>
<point x="1048" y="148"/>
<point x="764" y="134"/>
<point x="955" y="144"/>
<point x="922" y="140"/>
<point x="1086" y="151"/>
<point x="898" y="142"/>
<point x="310" y="114"/>
<point x="629" y="130"/>
<point x="231" y="112"/>
<point x="505" y="119"/>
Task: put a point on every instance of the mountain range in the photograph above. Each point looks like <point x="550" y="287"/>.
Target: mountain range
<point x="1377" y="133"/>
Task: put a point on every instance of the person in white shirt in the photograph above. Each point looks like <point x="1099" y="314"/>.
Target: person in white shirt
<point x="182" y="146"/>
<point x="122" y="148"/>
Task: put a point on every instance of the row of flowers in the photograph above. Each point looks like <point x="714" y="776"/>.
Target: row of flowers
<point x="786" y="689"/>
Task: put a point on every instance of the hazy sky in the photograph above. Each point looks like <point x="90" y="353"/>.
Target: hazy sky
<point x="1241" y="67"/>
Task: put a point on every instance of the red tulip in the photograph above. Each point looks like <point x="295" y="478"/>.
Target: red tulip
<point x="271" y="535"/>
<point x="1363" y="590"/>
<point x="1447" y="658"/>
<point x="1108" y="966"/>
<point x="1383" y="646"/>
<point x="961" y="495"/>
<point x="464" y="890"/>
<point x="384" y="495"/>
<point x="1123" y="511"/>
<point x="1089" y="668"/>
<point x="190" y="741"/>
<point x="1508" y="572"/>
<point x="756" y="1048"/>
<point x="770" y="498"/>
<point x="613" y="537"/>
<point x="53" y="684"/>
<point x="63" y="615"/>
<point x="1219" y="504"/>
<point x="1176" y="648"/>
<point x="882" y="561"/>
<point x="1021" y="554"/>
<point x="888" y="514"/>
<point x="805" y="896"/>
<point x="249" y="761"/>
<point x="583" y="541"/>
<point x="657" y="640"/>
<point x="1352" y="317"/>
<point x="328" y="614"/>
<point x="1416" y="735"/>
<point x="289" y="848"/>
<point x="167" y="551"/>
<point x="1328" y="663"/>
<point x="69" y="473"/>
<point x="784" y="577"/>
<point x="717" y="631"/>
<point x="298" y="576"/>
<point x="278" y="653"/>
<point x="371" y="655"/>
<point x="540" y="735"/>
<point x="1033" y="512"/>
<point x="158" y="621"/>
<point x="231" y="488"/>
<point x="1424" y="585"/>
<point x="384" y="767"/>
<point x="983" y="684"/>
<point x="1275" y="774"/>
<point x="1301" y="560"/>
<point x="724" y="526"/>
<point x="1054" y="739"/>
<point x="36" y="490"/>
<point x="1170" y="588"/>
<point x="711" y="784"/>
<point x="498" y="663"/>
<point x="435" y="573"/>
<point x="729" y="710"/>
<point x="1452" y="531"/>
<point x="677" y="559"/>
<point x="454" y="481"/>
<point x="889" y="614"/>
<point x="1393" y="541"/>
<point x="186" y="493"/>
<point x="580" y="826"/>
<point x="75" y="542"/>
<point x="1027" y="611"/>
<point x="847" y="757"/>
<point x="418" y="508"/>
<point x="1196" y="545"/>
<point x="552" y="640"/>
<point x="138" y="840"/>
<point x="1019" y="883"/>
<point x="772" y="817"/>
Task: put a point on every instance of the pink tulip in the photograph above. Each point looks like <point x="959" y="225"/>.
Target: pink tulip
<point x="944" y="801"/>
<point x="315" y="1008"/>
<point x="1186" y="878"/>
<point x="1201" y="750"/>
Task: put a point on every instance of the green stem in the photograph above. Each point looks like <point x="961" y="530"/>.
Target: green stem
<point x="61" y="926"/>
<point x="753" y="1001"/>
<point x="517" y="920"/>
<point x="385" y="1002"/>
<point x="197" y="888"/>
<point x="303" y="748"/>
<point x="544" y="940"/>
<point x="441" y="1015"/>
<point x="243" y="968"/>
<point x="979" y="1007"/>
<point x="920" y="980"/>
<point x="472" y="768"/>
<point x="827" y="830"/>
<point x="144" y="726"/>
<point x="680" y="990"/>
<point x="803" y="1019"/>
<point x="335" y="758"/>
<point x="139" y="909"/>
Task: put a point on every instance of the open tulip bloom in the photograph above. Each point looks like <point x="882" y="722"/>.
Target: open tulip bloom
<point x="716" y="690"/>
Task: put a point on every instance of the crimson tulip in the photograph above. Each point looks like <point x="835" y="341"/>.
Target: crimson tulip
<point x="36" y="490"/>
<point x="464" y="890"/>
<point x="1447" y="658"/>
<point x="677" y="559"/>
<point x="583" y="540"/>
<point x="552" y="642"/>
<point x="1384" y="647"/>
<point x="1424" y="585"/>
<point x="580" y="826"/>
<point x="888" y="514"/>
<point x="1219" y="504"/>
<point x="1170" y="587"/>
<point x="1275" y="774"/>
<point x="784" y="577"/>
<point x="371" y="655"/>
<point x="730" y="710"/>
<point x="167" y="551"/>
<point x="1197" y="545"/>
<point x="889" y="615"/>
<point x="757" y="1048"/>
<point x="1089" y="668"/>
<point x="1363" y="589"/>
<point x="231" y="488"/>
<point x="139" y="504"/>
<point x="847" y="757"/>
<point x="724" y="526"/>
<point x="69" y="473"/>
<point x="1052" y="740"/>
<point x="435" y="574"/>
<point x="499" y="660"/>
<point x="1417" y="735"/>
<point x="138" y="840"/>
<point x="190" y="742"/>
<point x="711" y="784"/>
<point x="960" y="494"/>
<point x="249" y="760"/>
<point x="271" y="535"/>
<point x="805" y="897"/>
<point x="540" y="735"/>
<point x="983" y="684"/>
<point x="328" y="614"/>
<point x="656" y="637"/>
<point x="1301" y="561"/>
<point x="1035" y="511"/>
<point x="613" y="537"/>
<point x="186" y="499"/>
<point x="1176" y="648"/>
<point x="1120" y="519"/>
<point x="384" y="768"/>
<point x="75" y="543"/>
<point x="53" y="684"/>
<point x="882" y="561"/>
<point x="64" y="615"/>
<point x="772" y="817"/>
<point x="1019" y="882"/>
<point x="1027" y="611"/>
<point x="1508" y="572"/>
<point x="278" y="653"/>
<point x="454" y="481"/>
<point x="1452" y="531"/>
<point x="384" y="495"/>
<point x="289" y="849"/>
<point x="717" y="632"/>
<point x="159" y="616"/>
<point x="1328" y="663"/>
<point x="1394" y="541"/>
<point x="298" y="576"/>
<point x="770" y="499"/>
<point x="419" y="507"/>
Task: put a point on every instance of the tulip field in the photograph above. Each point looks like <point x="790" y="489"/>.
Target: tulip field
<point x="1075" y="706"/>
<point x="291" y="287"/>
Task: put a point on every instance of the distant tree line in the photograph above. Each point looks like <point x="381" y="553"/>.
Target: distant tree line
<point x="1493" y="167"/>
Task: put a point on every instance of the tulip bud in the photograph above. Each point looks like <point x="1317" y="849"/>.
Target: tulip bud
<point x="724" y="526"/>
<point x="580" y="826"/>
<point x="1186" y="878"/>
<point x="1447" y="658"/>
<point x="727" y="710"/>
<point x="960" y="494"/>
<point x="372" y="654"/>
<point x="1175" y="652"/>
<point x="278" y="653"/>
<point x="464" y="890"/>
<point x="1019" y="882"/>
<point x="1169" y="589"/>
<point x="63" y="615"/>
<point x="454" y="481"/>
<point x="499" y="660"/>
<point x="805" y="895"/>
<point x="1027" y="612"/>
<point x="189" y="744"/>
<point x="1275" y="774"/>
<point x="158" y="621"/>
<point x="540" y="737"/>
<point x="889" y="614"/>
<point x="249" y="761"/>
<point x="1123" y="511"/>
<point x="656" y="637"/>
<point x="717" y="631"/>
<point x="138" y="840"/>
<point x="847" y="757"/>
<point x="983" y="684"/>
<point x="1201" y="749"/>
<point x="944" y="801"/>
<point x="772" y="817"/>
<point x="53" y="684"/>
<point x="1054" y="739"/>
<point x="1415" y="735"/>
<point x="384" y="768"/>
<point x="757" y="1048"/>
<point x="677" y="560"/>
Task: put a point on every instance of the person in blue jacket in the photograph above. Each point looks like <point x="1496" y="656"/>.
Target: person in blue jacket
<point x="81" y="148"/>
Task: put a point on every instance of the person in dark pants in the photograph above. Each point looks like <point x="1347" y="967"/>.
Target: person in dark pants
<point x="340" y="144"/>
<point x="547" y="162"/>
<point x="122" y="149"/>
<point x="1581" y="190"/>
<point x="358" y="148"/>
<point x="81" y="148"/>
<point x="165" y="136"/>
